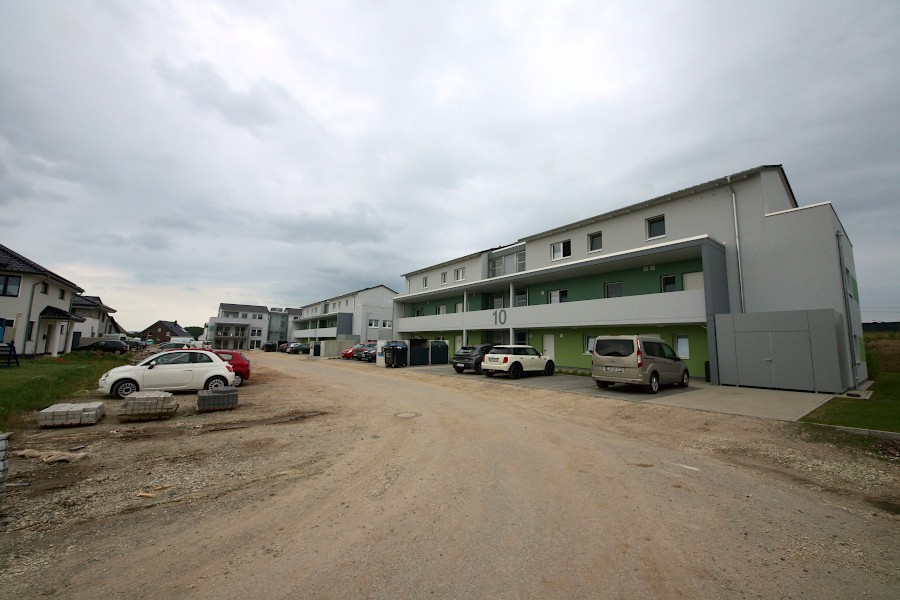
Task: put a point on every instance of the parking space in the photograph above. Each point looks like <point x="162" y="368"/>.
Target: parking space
<point x="751" y="402"/>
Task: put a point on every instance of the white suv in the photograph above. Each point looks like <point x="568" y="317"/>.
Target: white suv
<point x="170" y="371"/>
<point x="515" y="360"/>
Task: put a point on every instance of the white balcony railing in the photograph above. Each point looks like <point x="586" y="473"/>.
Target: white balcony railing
<point x="649" y="309"/>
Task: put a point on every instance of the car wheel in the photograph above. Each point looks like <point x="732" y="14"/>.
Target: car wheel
<point x="602" y="384"/>
<point x="654" y="383"/>
<point x="685" y="379"/>
<point x="550" y="368"/>
<point x="515" y="371"/>
<point x="478" y="369"/>
<point x="458" y="369"/>
<point x="120" y="352"/>
<point x="489" y="373"/>
<point x="238" y="380"/>
<point x="124" y="388"/>
<point x="216" y="382"/>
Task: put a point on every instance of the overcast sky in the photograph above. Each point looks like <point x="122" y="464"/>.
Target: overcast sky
<point x="169" y="156"/>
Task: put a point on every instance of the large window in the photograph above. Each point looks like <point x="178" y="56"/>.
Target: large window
<point x="9" y="285"/>
<point x="595" y="241"/>
<point x="656" y="227"/>
<point x="560" y="250"/>
<point x="612" y="290"/>
<point x="557" y="296"/>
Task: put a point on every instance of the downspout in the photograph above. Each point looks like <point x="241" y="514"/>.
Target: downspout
<point x="36" y="329"/>
<point x="846" y="294"/>
<point x="737" y="240"/>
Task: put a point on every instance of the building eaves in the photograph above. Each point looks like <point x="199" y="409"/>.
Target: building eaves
<point x="16" y="263"/>
<point x="90" y="302"/>
<point x="709" y="185"/>
<point x="247" y="307"/>
<point x="52" y="312"/>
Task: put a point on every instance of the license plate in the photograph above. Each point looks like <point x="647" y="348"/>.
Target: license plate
<point x="614" y="369"/>
<point x="493" y="359"/>
<point x="460" y="365"/>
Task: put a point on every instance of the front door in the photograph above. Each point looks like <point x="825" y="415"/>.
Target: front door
<point x="549" y="349"/>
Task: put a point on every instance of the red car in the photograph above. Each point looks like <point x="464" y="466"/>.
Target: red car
<point x="239" y="362"/>
<point x="348" y="353"/>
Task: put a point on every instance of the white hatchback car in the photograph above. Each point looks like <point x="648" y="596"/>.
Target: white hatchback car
<point x="515" y="360"/>
<point x="170" y="371"/>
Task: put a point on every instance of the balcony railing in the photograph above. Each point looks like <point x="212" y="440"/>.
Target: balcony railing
<point x="673" y="307"/>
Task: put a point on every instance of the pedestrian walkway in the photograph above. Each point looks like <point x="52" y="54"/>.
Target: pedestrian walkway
<point x="749" y="402"/>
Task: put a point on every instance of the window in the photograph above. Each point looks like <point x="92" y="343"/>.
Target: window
<point x="656" y="227"/>
<point x="612" y="290"/>
<point x="521" y="297"/>
<point x="595" y="241"/>
<point x="373" y="323"/>
<point x="667" y="283"/>
<point x="243" y="315"/>
<point x="520" y="261"/>
<point x="62" y="294"/>
<point x="443" y="277"/>
<point x="560" y="250"/>
<point x="682" y="346"/>
<point x="418" y="312"/>
<point x="386" y="324"/>
<point x="9" y="285"/>
<point x="557" y="296"/>
<point x="29" y="333"/>
<point x="459" y="307"/>
<point x="589" y="343"/>
<point x="424" y="282"/>
<point x="441" y="310"/>
<point x="43" y="287"/>
<point x="495" y="267"/>
<point x="459" y="274"/>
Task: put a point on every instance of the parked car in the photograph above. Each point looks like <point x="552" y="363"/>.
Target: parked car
<point x="171" y="346"/>
<point x="369" y="353"/>
<point x="282" y="347"/>
<point x="270" y="347"/>
<point x="293" y="348"/>
<point x="303" y="349"/>
<point x="636" y="360"/>
<point x="135" y="344"/>
<point x="470" y="357"/>
<point x="114" y="346"/>
<point x="358" y="353"/>
<point x="169" y="371"/>
<point x="238" y="361"/>
<point x="348" y="353"/>
<point x="515" y="360"/>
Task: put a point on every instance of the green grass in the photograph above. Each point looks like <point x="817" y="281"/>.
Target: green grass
<point x="43" y="381"/>
<point x="881" y="412"/>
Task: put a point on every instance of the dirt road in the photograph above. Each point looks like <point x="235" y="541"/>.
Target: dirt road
<point x="411" y="486"/>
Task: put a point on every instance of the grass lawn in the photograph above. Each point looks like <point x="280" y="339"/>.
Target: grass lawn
<point x="43" y="381"/>
<point x="880" y="412"/>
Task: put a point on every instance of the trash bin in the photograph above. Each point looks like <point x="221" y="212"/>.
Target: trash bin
<point x="317" y="349"/>
<point x="395" y="354"/>
<point x="440" y="352"/>
<point x="418" y="352"/>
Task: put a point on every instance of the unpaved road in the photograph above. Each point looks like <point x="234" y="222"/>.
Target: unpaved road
<point x="415" y="486"/>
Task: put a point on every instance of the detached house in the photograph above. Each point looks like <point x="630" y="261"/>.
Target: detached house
<point x="163" y="331"/>
<point x="98" y="319"/>
<point x="749" y="287"/>
<point x="34" y="306"/>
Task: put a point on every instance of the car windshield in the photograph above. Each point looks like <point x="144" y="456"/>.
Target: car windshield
<point x="465" y="350"/>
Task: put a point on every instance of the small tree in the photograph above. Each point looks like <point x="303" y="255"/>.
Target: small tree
<point x="196" y="332"/>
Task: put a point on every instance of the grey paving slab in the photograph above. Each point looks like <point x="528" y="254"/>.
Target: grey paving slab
<point x="751" y="402"/>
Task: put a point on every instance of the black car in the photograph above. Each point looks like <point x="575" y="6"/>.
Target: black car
<point x="369" y="353"/>
<point x="358" y="354"/>
<point x="270" y="347"/>
<point x="114" y="346"/>
<point x="470" y="357"/>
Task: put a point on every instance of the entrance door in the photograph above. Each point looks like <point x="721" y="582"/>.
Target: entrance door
<point x="459" y="344"/>
<point x="549" y="348"/>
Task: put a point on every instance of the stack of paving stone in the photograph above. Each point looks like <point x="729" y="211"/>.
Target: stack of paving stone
<point x="143" y="406"/>
<point x="62" y="414"/>
<point x="4" y="450"/>
<point x="223" y="398"/>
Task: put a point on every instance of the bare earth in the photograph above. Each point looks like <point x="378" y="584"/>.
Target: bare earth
<point x="337" y="479"/>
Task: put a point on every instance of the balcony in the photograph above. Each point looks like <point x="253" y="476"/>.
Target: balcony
<point x="315" y="333"/>
<point x="649" y="309"/>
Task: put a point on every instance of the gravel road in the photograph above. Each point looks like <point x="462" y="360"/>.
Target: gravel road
<point x="336" y="479"/>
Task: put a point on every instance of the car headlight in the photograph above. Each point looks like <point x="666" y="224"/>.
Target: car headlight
<point x="104" y="377"/>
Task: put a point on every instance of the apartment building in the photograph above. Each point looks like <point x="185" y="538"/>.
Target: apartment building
<point x="238" y="327"/>
<point x="749" y="287"/>
<point x="365" y="314"/>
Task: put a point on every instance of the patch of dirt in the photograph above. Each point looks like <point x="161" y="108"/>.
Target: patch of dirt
<point x="888" y="352"/>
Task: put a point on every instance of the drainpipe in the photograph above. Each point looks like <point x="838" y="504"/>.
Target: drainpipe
<point x="36" y="329"/>
<point x="737" y="240"/>
<point x="846" y="295"/>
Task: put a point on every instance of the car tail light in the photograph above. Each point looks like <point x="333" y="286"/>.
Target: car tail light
<point x="505" y="359"/>
<point x="229" y="367"/>
<point x="640" y="355"/>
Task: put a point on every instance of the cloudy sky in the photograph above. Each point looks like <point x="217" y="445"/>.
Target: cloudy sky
<point x="169" y="156"/>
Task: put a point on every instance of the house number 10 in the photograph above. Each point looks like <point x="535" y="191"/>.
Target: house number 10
<point x="500" y="317"/>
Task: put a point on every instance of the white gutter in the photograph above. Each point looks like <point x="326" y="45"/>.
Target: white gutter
<point x="737" y="240"/>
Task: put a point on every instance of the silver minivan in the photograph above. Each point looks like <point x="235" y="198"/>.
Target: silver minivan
<point x="637" y="360"/>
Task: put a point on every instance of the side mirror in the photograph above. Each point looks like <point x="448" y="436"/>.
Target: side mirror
<point x="151" y="364"/>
